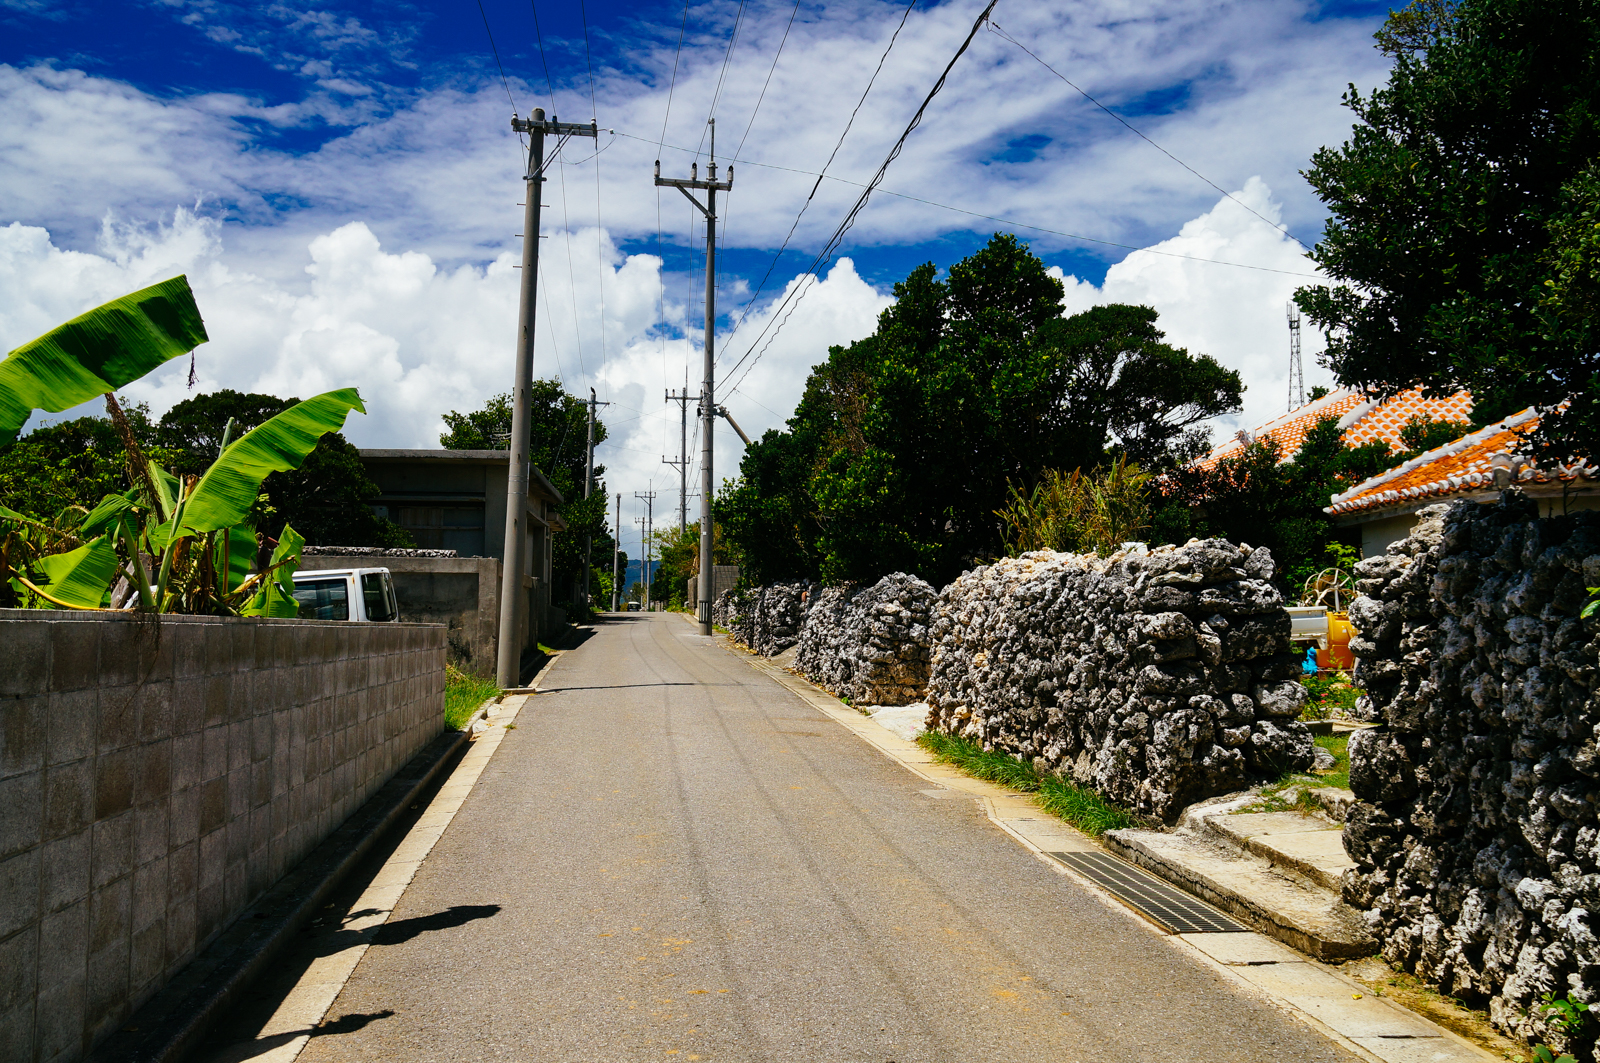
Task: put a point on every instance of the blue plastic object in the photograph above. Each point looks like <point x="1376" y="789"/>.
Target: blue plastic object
<point x="1309" y="665"/>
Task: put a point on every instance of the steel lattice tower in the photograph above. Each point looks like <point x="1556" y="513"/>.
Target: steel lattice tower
<point x="1297" y="376"/>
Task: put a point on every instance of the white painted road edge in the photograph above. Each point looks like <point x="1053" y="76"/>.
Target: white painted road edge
<point x="1333" y="1004"/>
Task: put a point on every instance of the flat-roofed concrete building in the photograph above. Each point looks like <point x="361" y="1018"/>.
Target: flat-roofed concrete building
<point x="455" y="500"/>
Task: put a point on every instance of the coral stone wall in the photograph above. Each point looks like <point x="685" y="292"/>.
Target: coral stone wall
<point x="872" y="645"/>
<point x="1475" y="833"/>
<point x="767" y="619"/>
<point x="1156" y="679"/>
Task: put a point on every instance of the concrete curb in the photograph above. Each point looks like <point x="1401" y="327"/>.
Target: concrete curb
<point x="1338" y="1007"/>
<point x="170" y="1025"/>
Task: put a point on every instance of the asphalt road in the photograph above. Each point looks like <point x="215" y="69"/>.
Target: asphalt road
<point x="671" y="857"/>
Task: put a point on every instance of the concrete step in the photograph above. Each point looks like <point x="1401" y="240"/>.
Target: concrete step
<point x="1296" y="910"/>
<point x="1308" y="846"/>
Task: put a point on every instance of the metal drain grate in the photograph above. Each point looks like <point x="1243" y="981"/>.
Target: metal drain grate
<point x="1163" y="903"/>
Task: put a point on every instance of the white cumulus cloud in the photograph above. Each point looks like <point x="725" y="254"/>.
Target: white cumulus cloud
<point x="1234" y="314"/>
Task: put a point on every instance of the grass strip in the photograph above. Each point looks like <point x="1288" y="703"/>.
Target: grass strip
<point x="1083" y="808"/>
<point x="463" y="693"/>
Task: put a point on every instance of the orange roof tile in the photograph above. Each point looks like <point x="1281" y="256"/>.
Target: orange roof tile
<point x="1462" y="467"/>
<point x="1362" y="418"/>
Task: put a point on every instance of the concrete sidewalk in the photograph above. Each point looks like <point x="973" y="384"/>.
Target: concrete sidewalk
<point x="672" y="856"/>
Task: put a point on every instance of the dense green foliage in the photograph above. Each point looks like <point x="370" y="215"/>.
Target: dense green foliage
<point x="905" y="443"/>
<point x="1464" y="208"/>
<point x="69" y="466"/>
<point x="677" y="559"/>
<point x="557" y="444"/>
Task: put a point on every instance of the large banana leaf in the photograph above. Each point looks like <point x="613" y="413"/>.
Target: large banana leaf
<point x="276" y="596"/>
<point x="106" y="514"/>
<point x="228" y="489"/>
<point x="286" y="557"/>
<point x="78" y="579"/>
<point x="97" y="352"/>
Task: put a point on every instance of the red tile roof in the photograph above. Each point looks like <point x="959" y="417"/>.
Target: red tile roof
<point x="1463" y="467"/>
<point x="1362" y="419"/>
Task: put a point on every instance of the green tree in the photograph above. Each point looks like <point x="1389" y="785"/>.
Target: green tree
<point x="327" y="499"/>
<point x="68" y="467"/>
<point x="1462" y="210"/>
<point x="905" y="443"/>
<point x="557" y="434"/>
<point x="1259" y="498"/>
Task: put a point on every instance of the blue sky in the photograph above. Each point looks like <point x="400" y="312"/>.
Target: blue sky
<point x="339" y="181"/>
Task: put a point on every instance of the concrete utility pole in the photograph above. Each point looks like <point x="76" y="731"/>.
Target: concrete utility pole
<point x="514" y="564"/>
<point x="708" y="395"/>
<point x="649" y="499"/>
<point x="682" y="464"/>
<point x="588" y="486"/>
<point x="616" y="554"/>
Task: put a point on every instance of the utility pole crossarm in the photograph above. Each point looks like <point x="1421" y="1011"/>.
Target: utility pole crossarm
<point x="686" y="183"/>
<point x="537" y="124"/>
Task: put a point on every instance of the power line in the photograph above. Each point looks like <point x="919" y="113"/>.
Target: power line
<point x="831" y="155"/>
<point x="727" y="221"/>
<point x="673" y="84"/>
<point x="797" y="293"/>
<point x="503" y="79"/>
<point x="733" y="39"/>
<point x="661" y="284"/>
<point x="599" y="226"/>
<point x="999" y="32"/>
<point x="991" y="217"/>
<point x="768" y="82"/>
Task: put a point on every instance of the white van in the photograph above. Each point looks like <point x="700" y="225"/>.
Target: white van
<point x="346" y="594"/>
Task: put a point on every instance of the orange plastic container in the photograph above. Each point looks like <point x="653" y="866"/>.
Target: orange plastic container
<point x="1339" y="631"/>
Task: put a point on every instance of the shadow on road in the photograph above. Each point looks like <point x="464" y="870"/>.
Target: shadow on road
<point x="397" y="931"/>
<point x="248" y="1050"/>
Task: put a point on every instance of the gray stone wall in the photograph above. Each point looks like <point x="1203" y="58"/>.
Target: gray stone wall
<point x="870" y="645"/>
<point x="155" y="780"/>
<point x="1478" y="815"/>
<point x="766" y="619"/>
<point x="1157" y="680"/>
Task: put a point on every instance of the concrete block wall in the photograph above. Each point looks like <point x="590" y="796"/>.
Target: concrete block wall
<point x="156" y="779"/>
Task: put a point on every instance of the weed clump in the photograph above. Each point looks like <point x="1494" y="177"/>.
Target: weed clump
<point x="1082" y="808"/>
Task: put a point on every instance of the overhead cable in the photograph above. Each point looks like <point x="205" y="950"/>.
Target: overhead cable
<point x="728" y="340"/>
<point x="999" y="32"/>
<point x="764" y="85"/>
<point x="795" y="294"/>
<point x="503" y="79"/>
<point x="991" y="217"/>
<point x="599" y="239"/>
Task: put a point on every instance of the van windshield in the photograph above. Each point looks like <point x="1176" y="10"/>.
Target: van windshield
<point x="379" y="599"/>
<point x="322" y="599"/>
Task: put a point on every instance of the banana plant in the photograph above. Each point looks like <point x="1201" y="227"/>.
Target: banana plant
<point x="168" y="543"/>
<point x="203" y="552"/>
